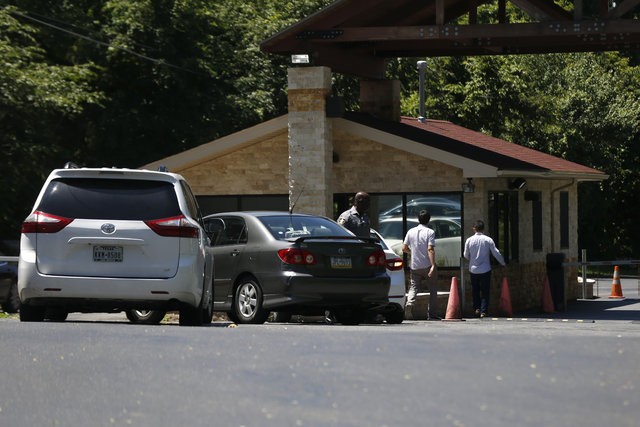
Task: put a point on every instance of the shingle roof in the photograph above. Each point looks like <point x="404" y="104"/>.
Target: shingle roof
<point x="501" y="154"/>
<point x="437" y="136"/>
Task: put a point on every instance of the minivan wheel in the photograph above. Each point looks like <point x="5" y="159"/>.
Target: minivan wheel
<point x="12" y="304"/>
<point x="56" y="314"/>
<point x="29" y="313"/>
<point x="247" y="304"/>
<point x="147" y="317"/>
<point x="190" y="316"/>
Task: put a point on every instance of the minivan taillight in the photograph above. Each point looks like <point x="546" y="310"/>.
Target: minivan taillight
<point x="177" y="226"/>
<point x="41" y="222"/>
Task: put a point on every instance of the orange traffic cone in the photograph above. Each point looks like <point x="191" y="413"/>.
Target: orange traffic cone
<point x="453" y="304"/>
<point x="505" y="299"/>
<point x="616" y="288"/>
<point x="547" y="301"/>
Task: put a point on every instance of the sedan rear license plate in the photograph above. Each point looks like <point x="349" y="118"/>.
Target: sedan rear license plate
<point x="340" y="262"/>
<point x="107" y="253"/>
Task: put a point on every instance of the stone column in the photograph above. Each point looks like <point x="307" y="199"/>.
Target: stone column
<point x="310" y="141"/>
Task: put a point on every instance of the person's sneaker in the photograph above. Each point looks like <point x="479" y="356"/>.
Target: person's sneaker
<point x="434" y="318"/>
<point x="483" y="315"/>
<point x="477" y="313"/>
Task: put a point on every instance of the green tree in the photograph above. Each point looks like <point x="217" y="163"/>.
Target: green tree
<point x="131" y="82"/>
<point x="38" y="105"/>
<point x="581" y="107"/>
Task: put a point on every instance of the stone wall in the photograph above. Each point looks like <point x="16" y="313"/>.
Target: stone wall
<point x="365" y="165"/>
<point x="259" y="168"/>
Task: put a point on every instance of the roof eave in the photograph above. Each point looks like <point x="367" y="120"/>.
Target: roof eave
<point x="548" y="174"/>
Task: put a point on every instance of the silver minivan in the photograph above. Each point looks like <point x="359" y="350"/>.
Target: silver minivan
<point x="108" y="240"/>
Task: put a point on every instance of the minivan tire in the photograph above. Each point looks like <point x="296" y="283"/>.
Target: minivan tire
<point x="29" y="313"/>
<point x="147" y="317"/>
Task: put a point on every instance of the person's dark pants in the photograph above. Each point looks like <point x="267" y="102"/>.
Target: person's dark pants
<point x="480" y="286"/>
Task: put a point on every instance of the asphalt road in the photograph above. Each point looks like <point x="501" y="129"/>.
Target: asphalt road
<point x="519" y="372"/>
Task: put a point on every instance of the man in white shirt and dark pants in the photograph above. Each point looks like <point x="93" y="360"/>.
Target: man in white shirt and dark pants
<point x="477" y="249"/>
<point x="420" y="242"/>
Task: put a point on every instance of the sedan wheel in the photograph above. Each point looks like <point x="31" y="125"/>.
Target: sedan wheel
<point x="396" y="316"/>
<point x="248" y="303"/>
<point x="350" y="316"/>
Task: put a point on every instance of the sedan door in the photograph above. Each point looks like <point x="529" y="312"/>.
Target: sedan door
<point x="228" y="237"/>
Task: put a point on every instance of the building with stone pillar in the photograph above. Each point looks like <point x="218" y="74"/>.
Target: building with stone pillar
<point x="314" y="161"/>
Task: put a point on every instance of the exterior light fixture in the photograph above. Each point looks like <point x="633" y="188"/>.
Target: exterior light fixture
<point x="300" y="59"/>
<point x="517" y="184"/>
<point x="469" y="186"/>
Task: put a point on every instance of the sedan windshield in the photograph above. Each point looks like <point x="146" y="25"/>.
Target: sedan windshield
<point x="293" y="226"/>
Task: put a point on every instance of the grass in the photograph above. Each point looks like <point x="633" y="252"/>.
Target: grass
<point x="4" y="315"/>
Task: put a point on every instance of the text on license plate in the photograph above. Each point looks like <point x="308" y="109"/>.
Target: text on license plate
<point x="107" y="253"/>
<point x="340" y="262"/>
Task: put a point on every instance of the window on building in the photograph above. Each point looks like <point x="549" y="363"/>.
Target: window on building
<point x="564" y="219"/>
<point x="503" y="223"/>
<point x="392" y="214"/>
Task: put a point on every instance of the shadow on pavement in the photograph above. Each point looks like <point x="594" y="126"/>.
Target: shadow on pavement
<point x="627" y="309"/>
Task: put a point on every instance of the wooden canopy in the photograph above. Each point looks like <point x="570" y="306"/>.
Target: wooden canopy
<point x="359" y="36"/>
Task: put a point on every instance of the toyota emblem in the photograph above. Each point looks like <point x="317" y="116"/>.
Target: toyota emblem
<point x="342" y="251"/>
<point x="108" y="228"/>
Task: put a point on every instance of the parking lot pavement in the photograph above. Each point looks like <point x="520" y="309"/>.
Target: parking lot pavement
<point x="97" y="317"/>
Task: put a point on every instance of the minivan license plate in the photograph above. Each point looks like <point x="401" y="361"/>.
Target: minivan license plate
<point x="107" y="253"/>
<point x="340" y="262"/>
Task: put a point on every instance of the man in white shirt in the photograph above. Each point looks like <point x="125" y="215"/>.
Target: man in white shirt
<point x="477" y="249"/>
<point x="420" y="242"/>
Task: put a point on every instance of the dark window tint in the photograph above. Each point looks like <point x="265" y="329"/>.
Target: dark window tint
<point x="192" y="204"/>
<point x="226" y="231"/>
<point x="291" y="226"/>
<point x="124" y="199"/>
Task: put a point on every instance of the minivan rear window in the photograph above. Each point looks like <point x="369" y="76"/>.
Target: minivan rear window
<point x="117" y="199"/>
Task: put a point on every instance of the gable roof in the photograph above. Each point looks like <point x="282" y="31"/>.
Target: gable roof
<point x="359" y="36"/>
<point x="477" y="154"/>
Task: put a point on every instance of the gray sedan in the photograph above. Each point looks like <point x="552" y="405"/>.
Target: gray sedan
<point x="293" y="263"/>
